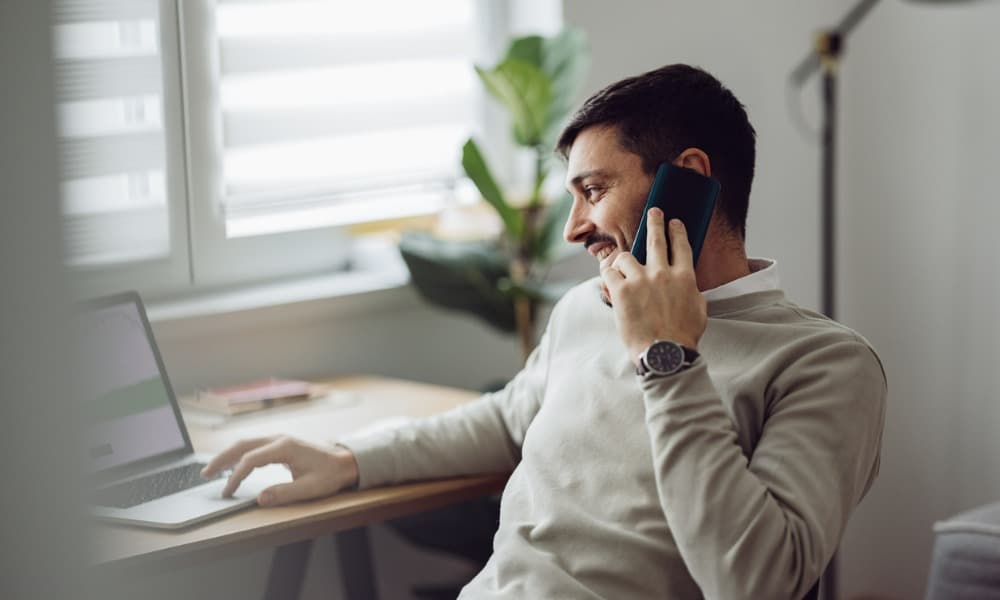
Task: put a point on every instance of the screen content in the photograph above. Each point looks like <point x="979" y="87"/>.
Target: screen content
<point x="131" y="417"/>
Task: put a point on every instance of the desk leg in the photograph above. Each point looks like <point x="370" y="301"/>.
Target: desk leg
<point x="288" y="571"/>
<point x="355" y="555"/>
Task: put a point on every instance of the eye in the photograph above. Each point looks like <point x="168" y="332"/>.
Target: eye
<point x="593" y="192"/>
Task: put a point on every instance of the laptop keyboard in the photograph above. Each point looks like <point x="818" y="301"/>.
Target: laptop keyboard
<point x="151" y="487"/>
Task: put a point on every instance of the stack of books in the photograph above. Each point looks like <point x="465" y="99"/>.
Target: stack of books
<point x="248" y="397"/>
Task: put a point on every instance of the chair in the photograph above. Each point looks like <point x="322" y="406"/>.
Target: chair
<point x="966" y="559"/>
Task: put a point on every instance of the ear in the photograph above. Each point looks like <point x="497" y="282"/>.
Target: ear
<point x="696" y="160"/>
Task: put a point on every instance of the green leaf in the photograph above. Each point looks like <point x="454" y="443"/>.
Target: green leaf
<point x="526" y="91"/>
<point x="550" y="233"/>
<point x="462" y="276"/>
<point x="529" y="49"/>
<point x="477" y="170"/>
<point x="536" y="291"/>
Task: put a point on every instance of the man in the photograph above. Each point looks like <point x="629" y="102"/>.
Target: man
<point x="729" y="472"/>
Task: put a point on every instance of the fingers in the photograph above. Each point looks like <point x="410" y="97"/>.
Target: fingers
<point x="272" y="453"/>
<point x="627" y="265"/>
<point x="679" y="245"/>
<point x="611" y="276"/>
<point x="230" y="455"/>
<point x="656" y="240"/>
<point x="618" y="268"/>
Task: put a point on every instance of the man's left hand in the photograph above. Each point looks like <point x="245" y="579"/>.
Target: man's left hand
<point x="658" y="301"/>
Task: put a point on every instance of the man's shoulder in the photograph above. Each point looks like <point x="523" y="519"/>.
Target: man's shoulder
<point x="819" y="332"/>
<point x="768" y="319"/>
<point x="807" y="317"/>
<point x="773" y="307"/>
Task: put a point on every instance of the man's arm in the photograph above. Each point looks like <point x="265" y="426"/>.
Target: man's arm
<point x="483" y="436"/>
<point x="766" y="528"/>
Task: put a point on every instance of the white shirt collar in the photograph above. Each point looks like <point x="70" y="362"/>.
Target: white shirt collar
<point x="763" y="277"/>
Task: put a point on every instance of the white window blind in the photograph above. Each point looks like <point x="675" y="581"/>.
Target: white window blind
<point x="109" y="87"/>
<point x="335" y="112"/>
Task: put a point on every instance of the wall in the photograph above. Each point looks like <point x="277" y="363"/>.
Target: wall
<point x="920" y="189"/>
<point x="384" y="333"/>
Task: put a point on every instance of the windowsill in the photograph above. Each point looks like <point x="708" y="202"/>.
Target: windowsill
<point x="377" y="280"/>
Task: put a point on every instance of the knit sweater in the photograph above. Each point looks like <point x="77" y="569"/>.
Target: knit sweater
<point x="734" y="478"/>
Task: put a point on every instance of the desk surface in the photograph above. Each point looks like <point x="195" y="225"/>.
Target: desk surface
<point x="350" y="404"/>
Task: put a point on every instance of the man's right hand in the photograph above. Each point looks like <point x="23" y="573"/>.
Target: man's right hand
<point x="316" y="471"/>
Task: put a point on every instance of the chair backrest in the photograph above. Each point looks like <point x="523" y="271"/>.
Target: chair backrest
<point x="966" y="555"/>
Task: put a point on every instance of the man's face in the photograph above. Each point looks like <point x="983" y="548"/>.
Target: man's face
<point x="609" y="191"/>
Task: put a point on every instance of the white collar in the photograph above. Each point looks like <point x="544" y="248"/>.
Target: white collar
<point x="763" y="277"/>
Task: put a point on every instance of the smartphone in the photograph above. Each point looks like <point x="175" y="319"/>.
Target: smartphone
<point x="681" y="194"/>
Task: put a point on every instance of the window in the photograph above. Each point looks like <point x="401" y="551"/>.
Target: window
<point x="305" y="116"/>
<point x="119" y="121"/>
<point x="215" y="142"/>
<point x="317" y="100"/>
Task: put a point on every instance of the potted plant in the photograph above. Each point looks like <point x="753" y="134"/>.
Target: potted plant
<point x="502" y="280"/>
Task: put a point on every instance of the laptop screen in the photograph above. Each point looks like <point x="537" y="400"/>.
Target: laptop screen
<point x="132" y="413"/>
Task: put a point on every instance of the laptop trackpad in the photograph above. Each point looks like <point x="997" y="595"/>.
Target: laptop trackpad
<point x="260" y="479"/>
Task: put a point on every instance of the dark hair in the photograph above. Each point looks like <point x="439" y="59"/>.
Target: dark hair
<point x="661" y="113"/>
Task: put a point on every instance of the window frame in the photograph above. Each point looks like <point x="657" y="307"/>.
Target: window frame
<point x="168" y="274"/>
<point x="219" y="260"/>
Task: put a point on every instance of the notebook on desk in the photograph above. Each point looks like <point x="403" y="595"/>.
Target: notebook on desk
<point x="143" y="468"/>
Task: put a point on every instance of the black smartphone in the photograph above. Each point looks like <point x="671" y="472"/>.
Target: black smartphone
<point x="681" y="194"/>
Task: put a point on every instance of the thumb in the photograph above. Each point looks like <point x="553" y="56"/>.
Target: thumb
<point x="283" y="493"/>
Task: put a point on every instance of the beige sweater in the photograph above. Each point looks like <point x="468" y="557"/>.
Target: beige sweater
<point x="732" y="479"/>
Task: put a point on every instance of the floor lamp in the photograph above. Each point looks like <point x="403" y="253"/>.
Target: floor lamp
<point x="825" y="58"/>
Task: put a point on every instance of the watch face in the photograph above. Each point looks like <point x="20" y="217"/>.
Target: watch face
<point x="664" y="357"/>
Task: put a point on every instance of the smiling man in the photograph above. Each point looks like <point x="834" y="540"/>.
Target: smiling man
<point x="702" y="437"/>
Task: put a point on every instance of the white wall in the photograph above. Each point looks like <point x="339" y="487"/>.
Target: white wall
<point x="920" y="205"/>
<point x="921" y="143"/>
<point x="392" y="333"/>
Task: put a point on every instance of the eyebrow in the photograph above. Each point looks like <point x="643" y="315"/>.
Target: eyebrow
<point x="592" y="173"/>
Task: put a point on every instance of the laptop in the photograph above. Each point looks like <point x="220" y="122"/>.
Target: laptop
<point x="139" y="455"/>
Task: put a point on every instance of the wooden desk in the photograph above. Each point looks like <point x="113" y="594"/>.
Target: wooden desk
<point x="351" y="404"/>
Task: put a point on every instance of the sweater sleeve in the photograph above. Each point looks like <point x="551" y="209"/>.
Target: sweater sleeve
<point x="483" y="436"/>
<point x="766" y="528"/>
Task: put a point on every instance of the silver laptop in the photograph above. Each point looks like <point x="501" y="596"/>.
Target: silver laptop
<point x="139" y="454"/>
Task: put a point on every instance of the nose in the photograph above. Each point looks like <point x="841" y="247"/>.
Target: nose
<point x="578" y="225"/>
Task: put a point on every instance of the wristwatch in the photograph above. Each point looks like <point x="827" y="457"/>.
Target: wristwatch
<point x="665" y="358"/>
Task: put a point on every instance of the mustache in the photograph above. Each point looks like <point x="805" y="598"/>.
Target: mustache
<point x="599" y="238"/>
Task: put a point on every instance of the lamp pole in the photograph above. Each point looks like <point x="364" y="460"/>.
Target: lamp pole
<point x="825" y="57"/>
<point x="829" y="45"/>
